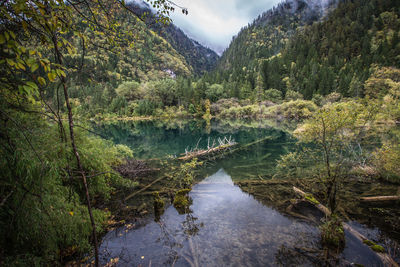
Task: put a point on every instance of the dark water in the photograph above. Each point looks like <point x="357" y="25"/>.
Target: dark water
<point x="225" y="226"/>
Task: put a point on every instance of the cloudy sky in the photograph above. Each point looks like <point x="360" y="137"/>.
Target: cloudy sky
<point x="214" y="22"/>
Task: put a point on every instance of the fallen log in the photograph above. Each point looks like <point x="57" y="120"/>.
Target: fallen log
<point x="318" y="205"/>
<point x="384" y="257"/>
<point x="144" y="188"/>
<point x="202" y="153"/>
<point x="251" y="144"/>
<point x="379" y="198"/>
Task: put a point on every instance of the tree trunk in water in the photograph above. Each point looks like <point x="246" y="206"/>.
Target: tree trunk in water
<point x="383" y="256"/>
<point x="380" y="198"/>
<point x="77" y="157"/>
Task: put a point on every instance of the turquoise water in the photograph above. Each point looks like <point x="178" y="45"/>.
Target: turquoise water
<point x="225" y="226"/>
<point x="150" y="140"/>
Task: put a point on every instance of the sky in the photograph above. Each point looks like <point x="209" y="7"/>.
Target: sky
<point x="213" y="23"/>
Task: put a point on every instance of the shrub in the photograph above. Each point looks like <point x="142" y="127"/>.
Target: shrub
<point x="332" y="233"/>
<point x="222" y="104"/>
<point x="215" y="92"/>
<point x="317" y="99"/>
<point x="45" y="218"/>
<point x="295" y="110"/>
<point x="387" y="160"/>
<point x="273" y="95"/>
<point x="130" y="91"/>
<point x="331" y="98"/>
<point x="250" y="111"/>
<point x="293" y="95"/>
<point x="192" y="109"/>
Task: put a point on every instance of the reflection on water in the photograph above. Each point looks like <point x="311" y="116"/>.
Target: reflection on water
<point x="226" y="227"/>
<point x="152" y="139"/>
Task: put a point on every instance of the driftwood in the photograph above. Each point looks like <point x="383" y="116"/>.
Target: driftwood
<point x="223" y="149"/>
<point x="251" y="144"/>
<point x="384" y="257"/>
<point x="202" y="153"/>
<point x="379" y="198"/>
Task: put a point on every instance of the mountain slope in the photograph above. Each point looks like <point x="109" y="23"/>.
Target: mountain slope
<point x="200" y="58"/>
<point x="311" y="47"/>
<point x="266" y="36"/>
<point x="339" y="53"/>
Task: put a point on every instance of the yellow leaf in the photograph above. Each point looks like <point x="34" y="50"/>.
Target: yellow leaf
<point x="70" y="50"/>
<point x="71" y="213"/>
<point x="52" y="76"/>
<point x="61" y="73"/>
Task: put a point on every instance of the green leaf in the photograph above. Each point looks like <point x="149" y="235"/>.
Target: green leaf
<point x="34" y="67"/>
<point x="21" y="66"/>
<point x="2" y="39"/>
<point x="10" y="62"/>
<point x="32" y="84"/>
<point x="12" y="34"/>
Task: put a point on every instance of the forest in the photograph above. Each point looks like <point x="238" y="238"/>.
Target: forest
<point x="115" y="124"/>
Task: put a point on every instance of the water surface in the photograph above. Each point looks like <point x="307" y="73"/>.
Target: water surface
<point x="225" y="227"/>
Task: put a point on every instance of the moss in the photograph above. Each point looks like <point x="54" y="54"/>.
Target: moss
<point x="182" y="201"/>
<point x="312" y="199"/>
<point x="377" y="248"/>
<point x="368" y="242"/>
<point x="332" y="233"/>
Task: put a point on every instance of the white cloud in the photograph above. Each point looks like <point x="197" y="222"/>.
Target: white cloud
<point x="214" y="22"/>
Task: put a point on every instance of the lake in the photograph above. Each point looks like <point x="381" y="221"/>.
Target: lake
<point x="224" y="225"/>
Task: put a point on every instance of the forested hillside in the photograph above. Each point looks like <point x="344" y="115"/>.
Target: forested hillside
<point x="142" y="69"/>
<point x="337" y="54"/>
<point x="310" y="48"/>
<point x="200" y="58"/>
<point x="265" y="37"/>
